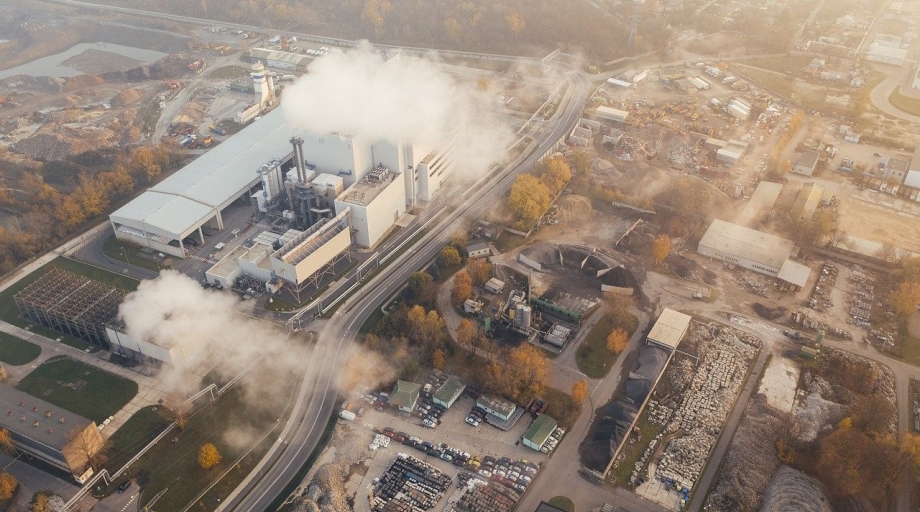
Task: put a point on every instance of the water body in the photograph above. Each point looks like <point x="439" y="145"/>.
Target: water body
<point x="52" y="66"/>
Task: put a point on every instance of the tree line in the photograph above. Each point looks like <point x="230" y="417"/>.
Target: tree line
<point x="54" y="207"/>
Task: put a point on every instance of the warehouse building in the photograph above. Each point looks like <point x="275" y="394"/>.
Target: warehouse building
<point x="53" y="435"/>
<point x="807" y="201"/>
<point x="497" y="407"/>
<point x="761" y="201"/>
<point x="895" y="169"/>
<point x="669" y="329"/>
<point x="277" y="59"/>
<point x="539" y="432"/>
<point x="449" y="392"/>
<point x="881" y="52"/>
<point x="732" y="152"/>
<point x="616" y="116"/>
<point x="405" y="395"/>
<point x="754" y="250"/>
<point x="71" y="304"/>
<point x="806" y="163"/>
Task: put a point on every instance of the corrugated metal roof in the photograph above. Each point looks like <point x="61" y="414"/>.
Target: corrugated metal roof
<point x="202" y="187"/>
<point x="669" y="328"/>
<point x="540" y="429"/>
<point x="794" y="273"/>
<point x="757" y="246"/>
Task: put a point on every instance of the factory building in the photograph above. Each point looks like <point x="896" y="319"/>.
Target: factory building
<point x="376" y="203"/>
<point x="806" y="163"/>
<point x="277" y="59"/>
<point x="754" y="250"/>
<point x="732" y="152"/>
<point x="71" y="304"/>
<point x="53" y="435"/>
<point x="807" y="201"/>
<point x="616" y="116"/>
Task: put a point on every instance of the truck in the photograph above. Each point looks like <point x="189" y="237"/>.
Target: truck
<point x="729" y="80"/>
<point x="347" y="415"/>
<point x="217" y="130"/>
<point x="287" y="78"/>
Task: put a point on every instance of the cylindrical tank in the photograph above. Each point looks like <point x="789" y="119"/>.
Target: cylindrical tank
<point x="523" y="315"/>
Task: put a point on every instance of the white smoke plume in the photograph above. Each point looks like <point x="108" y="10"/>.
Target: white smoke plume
<point x="207" y="327"/>
<point x="407" y="98"/>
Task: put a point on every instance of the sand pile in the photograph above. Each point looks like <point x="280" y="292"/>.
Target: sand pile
<point x="574" y="208"/>
<point x="127" y="97"/>
<point x="54" y="142"/>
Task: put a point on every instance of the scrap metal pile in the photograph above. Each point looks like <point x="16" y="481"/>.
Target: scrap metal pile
<point x="409" y="485"/>
<point x="725" y="354"/>
<point x="476" y="495"/>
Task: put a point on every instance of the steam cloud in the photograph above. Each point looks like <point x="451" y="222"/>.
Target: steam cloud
<point x="404" y="99"/>
<point x="212" y="333"/>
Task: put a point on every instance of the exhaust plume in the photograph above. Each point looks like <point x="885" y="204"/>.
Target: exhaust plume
<point x="401" y="99"/>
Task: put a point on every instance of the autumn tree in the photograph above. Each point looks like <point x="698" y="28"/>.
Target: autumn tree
<point x="449" y="257"/>
<point x="556" y="175"/>
<point x="88" y="446"/>
<point x="40" y="502"/>
<point x="529" y="199"/>
<point x="527" y="372"/>
<point x="459" y="239"/>
<point x="580" y="163"/>
<point x="660" y="248"/>
<point x="8" y="485"/>
<point x="6" y="442"/>
<point x="579" y="391"/>
<point x="617" y="340"/>
<point x="426" y="329"/>
<point x="905" y="297"/>
<point x="466" y="332"/>
<point x="438" y="358"/>
<point x="515" y="23"/>
<point x="851" y="463"/>
<point x="208" y="456"/>
<point x="480" y="270"/>
<point x="463" y="288"/>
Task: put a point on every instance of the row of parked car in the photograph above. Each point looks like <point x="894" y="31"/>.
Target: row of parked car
<point x="476" y="416"/>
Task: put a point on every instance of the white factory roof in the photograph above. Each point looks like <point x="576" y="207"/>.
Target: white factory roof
<point x="612" y="112"/>
<point x="912" y="179"/>
<point x="669" y="328"/>
<point x="200" y="189"/>
<point x="763" y="248"/>
<point x="794" y="272"/>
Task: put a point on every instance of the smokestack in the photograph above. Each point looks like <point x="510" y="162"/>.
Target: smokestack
<point x="297" y="142"/>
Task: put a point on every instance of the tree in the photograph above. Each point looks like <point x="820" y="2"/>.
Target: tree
<point x="89" y="445"/>
<point x="6" y="442"/>
<point x="453" y="29"/>
<point x="40" y="502"/>
<point x="905" y="297"/>
<point x="8" y="485"/>
<point x="438" y="358"/>
<point x="208" y="456"/>
<point x="580" y="163"/>
<point x="528" y="199"/>
<point x="527" y="372"/>
<point x="422" y="288"/>
<point x="463" y="288"/>
<point x="617" y="340"/>
<point x="556" y="175"/>
<point x="579" y="391"/>
<point x="887" y="251"/>
<point x="426" y="329"/>
<point x="175" y="408"/>
<point x="466" y="332"/>
<point x="515" y="23"/>
<point x="449" y="257"/>
<point x="459" y="239"/>
<point x="480" y="270"/>
<point x="660" y="248"/>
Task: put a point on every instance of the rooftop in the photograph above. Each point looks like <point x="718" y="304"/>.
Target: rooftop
<point x="540" y="429"/>
<point x="669" y="328"/>
<point x="498" y="405"/>
<point x="808" y="199"/>
<point x="404" y="394"/>
<point x="763" y="198"/>
<point x="477" y="247"/>
<point x="198" y="190"/>
<point x="36" y="419"/>
<point x="365" y="191"/>
<point x="612" y="112"/>
<point x="808" y="159"/>
<point x="310" y="241"/>
<point x="280" y="56"/>
<point x="794" y="273"/>
<point x="897" y="164"/>
<point x="450" y="389"/>
<point x="763" y="248"/>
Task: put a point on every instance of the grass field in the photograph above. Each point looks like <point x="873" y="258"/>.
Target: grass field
<point x="593" y="357"/>
<point x="79" y="388"/>
<point x="631" y="452"/>
<point x="17" y="352"/>
<point x="788" y="64"/>
<point x="562" y="502"/>
<point x="776" y="82"/>
<point x="232" y="425"/>
<point x="905" y="103"/>
<point x="139" y="430"/>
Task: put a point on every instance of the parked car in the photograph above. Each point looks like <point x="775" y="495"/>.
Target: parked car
<point x="124" y="486"/>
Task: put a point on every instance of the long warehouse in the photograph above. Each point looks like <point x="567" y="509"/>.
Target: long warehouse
<point x="195" y="195"/>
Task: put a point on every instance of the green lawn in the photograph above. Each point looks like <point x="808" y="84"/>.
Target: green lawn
<point x="232" y="425"/>
<point x="593" y="357"/>
<point x="8" y="311"/>
<point x="139" y="430"/>
<point x="130" y="254"/>
<point x="17" y="352"/>
<point x="905" y="103"/>
<point x="79" y="388"/>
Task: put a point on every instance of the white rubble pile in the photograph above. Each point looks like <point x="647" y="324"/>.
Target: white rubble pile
<point x="724" y="359"/>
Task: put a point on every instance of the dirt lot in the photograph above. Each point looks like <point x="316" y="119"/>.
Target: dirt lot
<point x="880" y="224"/>
<point x="93" y="62"/>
